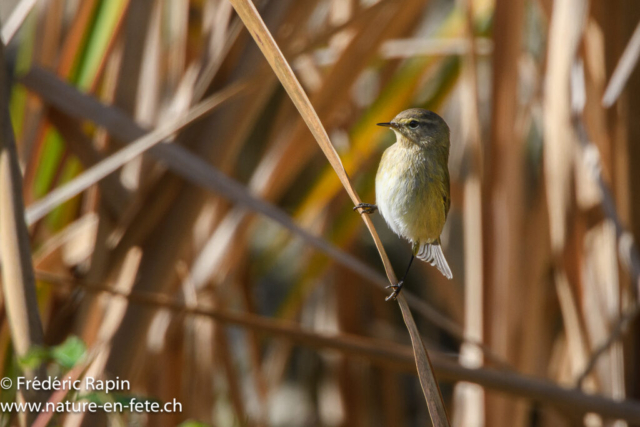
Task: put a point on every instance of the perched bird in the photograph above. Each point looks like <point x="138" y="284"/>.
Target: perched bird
<point x="412" y="186"/>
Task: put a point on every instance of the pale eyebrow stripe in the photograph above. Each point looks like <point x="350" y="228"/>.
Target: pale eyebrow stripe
<point x="427" y="120"/>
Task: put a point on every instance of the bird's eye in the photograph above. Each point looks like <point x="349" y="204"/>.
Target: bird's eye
<point x="413" y="124"/>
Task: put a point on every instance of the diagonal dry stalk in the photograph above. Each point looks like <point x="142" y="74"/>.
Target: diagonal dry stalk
<point x="67" y="100"/>
<point x="623" y="70"/>
<point x="15" y="20"/>
<point x="254" y="23"/>
<point x="110" y="164"/>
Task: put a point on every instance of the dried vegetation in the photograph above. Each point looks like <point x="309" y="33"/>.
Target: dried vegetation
<point x="181" y="217"/>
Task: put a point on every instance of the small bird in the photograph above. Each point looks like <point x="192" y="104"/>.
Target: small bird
<point x="412" y="186"/>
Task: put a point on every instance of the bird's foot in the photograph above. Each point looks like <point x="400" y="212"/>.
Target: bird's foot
<point x="396" y="291"/>
<point x="366" y="208"/>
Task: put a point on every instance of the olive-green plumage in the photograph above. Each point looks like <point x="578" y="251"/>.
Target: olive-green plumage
<point x="412" y="183"/>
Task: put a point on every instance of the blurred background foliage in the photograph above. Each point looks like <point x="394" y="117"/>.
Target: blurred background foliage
<point x="225" y="268"/>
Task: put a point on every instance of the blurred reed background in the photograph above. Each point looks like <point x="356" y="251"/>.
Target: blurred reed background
<point x="225" y="267"/>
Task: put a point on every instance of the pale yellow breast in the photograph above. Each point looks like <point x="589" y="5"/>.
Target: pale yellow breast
<point x="409" y="187"/>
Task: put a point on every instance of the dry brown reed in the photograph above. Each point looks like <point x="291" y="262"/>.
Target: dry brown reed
<point x="172" y="158"/>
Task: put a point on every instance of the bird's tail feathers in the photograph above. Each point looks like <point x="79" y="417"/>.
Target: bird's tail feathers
<point x="432" y="253"/>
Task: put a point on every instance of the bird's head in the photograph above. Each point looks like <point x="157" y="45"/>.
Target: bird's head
<point x="422" y="127"/>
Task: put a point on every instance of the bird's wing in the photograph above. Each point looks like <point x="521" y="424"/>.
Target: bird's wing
<point x="446" y="193"/>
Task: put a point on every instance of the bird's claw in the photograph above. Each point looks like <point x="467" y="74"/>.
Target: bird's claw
<point x="396" y="291"/>
<point x="366" y="208"/>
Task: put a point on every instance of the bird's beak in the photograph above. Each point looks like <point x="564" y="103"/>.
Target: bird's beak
<point x="389" y="125"/>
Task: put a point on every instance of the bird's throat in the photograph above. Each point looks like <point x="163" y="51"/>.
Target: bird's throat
<point x="404" y="141"/>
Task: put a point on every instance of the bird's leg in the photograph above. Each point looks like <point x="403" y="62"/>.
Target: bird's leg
<point x="366" y="208"/>
<point x="397" y="288"/>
